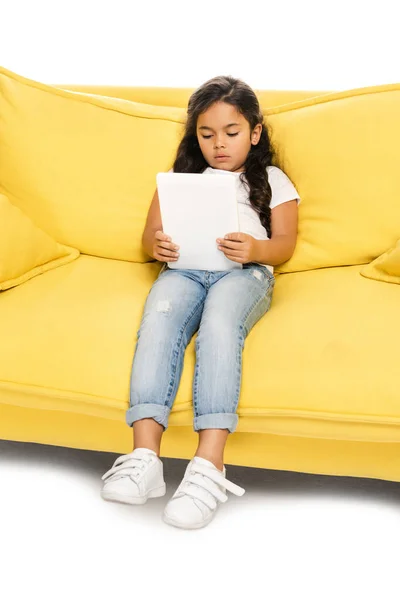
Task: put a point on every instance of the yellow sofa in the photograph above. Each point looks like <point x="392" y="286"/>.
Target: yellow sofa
<point x="320" y="383"/>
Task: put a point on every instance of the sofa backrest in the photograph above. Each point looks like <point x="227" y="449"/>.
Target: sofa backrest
<point x="164" y="96"/>
<point x="83" y="166"/>
<point x="341" y="151"/>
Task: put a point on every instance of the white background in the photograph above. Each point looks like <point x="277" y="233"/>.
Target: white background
<point x="272" y="45"/>
<point x="291" y="535"/>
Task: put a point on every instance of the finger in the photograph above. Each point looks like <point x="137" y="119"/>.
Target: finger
<point x="165" y="258"/>
<point x="236" y="236"/>
<point x="166" y="252"/>
<point x="233" y="252"/>
<point x="160" y="235"/>
<point x="230" y="244"/>
<point x="235" y="258"/>
<point x="168" y="245"/>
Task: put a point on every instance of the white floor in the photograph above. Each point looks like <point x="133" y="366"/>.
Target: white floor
<point x="290" y="536"/>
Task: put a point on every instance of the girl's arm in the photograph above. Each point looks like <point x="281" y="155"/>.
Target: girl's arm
<point x="281" y="246"/>
<point x="153" y="224"/>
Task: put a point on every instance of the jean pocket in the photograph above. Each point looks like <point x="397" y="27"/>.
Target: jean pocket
<point x="268" y="273"/>
<point x="264" y="273"/>
<point x="163" y="268"/>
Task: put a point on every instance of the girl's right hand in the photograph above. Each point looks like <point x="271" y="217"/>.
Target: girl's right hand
<point x="163" y="248"/>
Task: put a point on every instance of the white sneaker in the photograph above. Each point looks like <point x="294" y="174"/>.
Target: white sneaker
<point x="195" y="502"/>
<point x="134" y="478"/>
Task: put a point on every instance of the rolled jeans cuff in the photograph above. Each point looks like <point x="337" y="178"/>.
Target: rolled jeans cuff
<point x="216" y="421"/>
<point x="147" y="410"/>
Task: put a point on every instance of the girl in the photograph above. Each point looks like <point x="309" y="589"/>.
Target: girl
<point x="224" y="134"/>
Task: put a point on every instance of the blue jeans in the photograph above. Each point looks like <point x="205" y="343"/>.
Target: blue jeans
<point x="223" y="306"/>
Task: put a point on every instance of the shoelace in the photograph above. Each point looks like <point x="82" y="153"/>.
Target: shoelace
<point x="125" y="465"/>
<point x="200" y="484"/>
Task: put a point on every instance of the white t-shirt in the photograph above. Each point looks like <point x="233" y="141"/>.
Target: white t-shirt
<point x="282" y="190"/>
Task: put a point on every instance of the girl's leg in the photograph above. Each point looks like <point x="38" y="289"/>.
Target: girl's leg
<point x="211" y="446"/>
<point x="233" y="306"/>
<point x="147" y="433"/>
<point x="171" y="316"/>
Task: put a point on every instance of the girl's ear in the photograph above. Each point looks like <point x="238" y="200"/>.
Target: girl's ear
<point x="256" y="134"/>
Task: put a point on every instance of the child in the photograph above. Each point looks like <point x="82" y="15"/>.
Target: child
<point x="224" y="133"/>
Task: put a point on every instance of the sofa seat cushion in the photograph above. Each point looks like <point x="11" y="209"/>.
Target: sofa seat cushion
<point x="329" y="352"/>
<point x="323" y="362"/>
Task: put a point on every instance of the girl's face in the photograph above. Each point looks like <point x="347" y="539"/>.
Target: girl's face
<point x="224" y="137"/>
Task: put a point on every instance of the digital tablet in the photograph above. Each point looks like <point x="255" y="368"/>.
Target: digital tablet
<point x="196" y="209"/>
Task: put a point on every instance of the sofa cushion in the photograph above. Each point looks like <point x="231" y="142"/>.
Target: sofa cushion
<point x="82" y="166"/>
<point x="179" y="96"/>
<point x="340" y="150"/>
<point x="386" y="267"/>
<point x="313" y="366"/>
<point x="26" y="250"/>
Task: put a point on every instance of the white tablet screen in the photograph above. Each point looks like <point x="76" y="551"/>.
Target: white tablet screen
<point x="196" y="209"/>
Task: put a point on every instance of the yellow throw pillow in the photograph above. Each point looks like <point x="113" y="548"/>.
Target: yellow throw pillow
<point x="386" y="267"/>
<point x="82" y="166"/>
<point x="341" y="152"/>
<point x="26" y="250"/>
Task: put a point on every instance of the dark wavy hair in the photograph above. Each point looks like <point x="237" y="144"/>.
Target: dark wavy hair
<point x="189" y="157"/>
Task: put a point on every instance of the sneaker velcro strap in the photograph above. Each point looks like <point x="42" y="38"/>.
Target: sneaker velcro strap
<point x="199" y="492"/>
<point x="124" y="465"/>
<point x="218" y="478"/>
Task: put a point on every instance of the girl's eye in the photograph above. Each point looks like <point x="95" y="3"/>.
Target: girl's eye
<point x="207" y="137"/>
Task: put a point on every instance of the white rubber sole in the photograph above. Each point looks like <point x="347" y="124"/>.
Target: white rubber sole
<point x="171" y="521"/>
<point x="126" y="499"/>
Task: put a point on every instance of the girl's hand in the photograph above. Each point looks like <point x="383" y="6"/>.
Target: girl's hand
<point x="163" y="248"/>
<point x="239" y="247"/>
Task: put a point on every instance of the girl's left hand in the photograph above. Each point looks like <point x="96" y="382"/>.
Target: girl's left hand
<point x="239" y="247"/>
